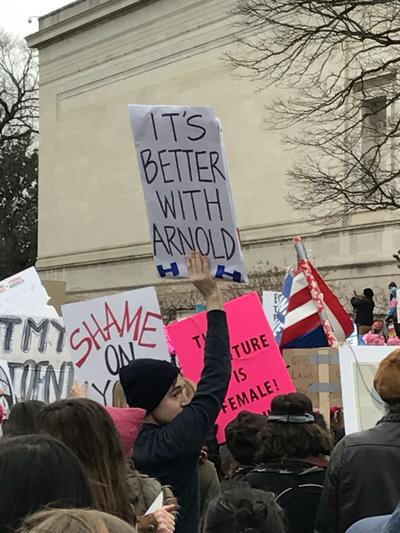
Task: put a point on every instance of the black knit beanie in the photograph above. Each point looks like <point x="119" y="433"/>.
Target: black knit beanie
<point x="147" y="381"/>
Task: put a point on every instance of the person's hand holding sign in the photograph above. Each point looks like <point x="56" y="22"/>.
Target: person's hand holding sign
<point x="200" y="276"/>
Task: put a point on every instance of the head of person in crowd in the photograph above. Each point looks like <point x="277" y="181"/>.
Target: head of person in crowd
<point x="377" y="327"/>
<point x="368" y="293"/>
<point x="119" y="399"/>
<point x="22" y="418"/>
<point x="242" y="436"/>
<point x="38" y="471"/>
<point x="387" y="381"/>
<point x="375" y="336"/>
<point x="88" y="430"/>
<point x="241" y="510"/>
<point x="291" y="431"/>
<point x="155" y="386"/>
<point x="128" y="421"/>
<point x="374" y="339"/>
<point x="74" y="521"/>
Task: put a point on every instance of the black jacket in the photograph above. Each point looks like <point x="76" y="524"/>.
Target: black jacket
<point x="171" y="453"/>
<point x="363" y="477"/>
<point x="364" y="308"/>
<point x="297" y="485"/>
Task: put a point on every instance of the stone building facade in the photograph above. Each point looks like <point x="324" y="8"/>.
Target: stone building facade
<point x="98" y="56"/>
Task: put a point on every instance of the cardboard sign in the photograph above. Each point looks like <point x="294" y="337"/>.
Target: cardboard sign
<point x="315" y="373"/>
<point x="187" y="189"/>
<point x="259" y="372"/>
<point x="57" y="293"/>
<point x="362" y="405"/>
<point x="107" y="333"/>
<point x="24" y="294"/>
<point x="39" y="363"/>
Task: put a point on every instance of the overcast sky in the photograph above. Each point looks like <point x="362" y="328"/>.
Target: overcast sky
<point x="14" y="14"/>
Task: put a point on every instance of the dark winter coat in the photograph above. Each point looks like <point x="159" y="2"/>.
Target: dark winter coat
<point x="364" y="308"/>
<point x="363" y="477"/>
<point x="171" y="453"/>
<point x="297" y="485"/>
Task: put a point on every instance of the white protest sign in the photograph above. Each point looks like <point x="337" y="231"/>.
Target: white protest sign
<point x="107" y="333"/>
<point x="362" y="407"/>
<point x="156" y="505"/>
<point x="7" y="400"/>
<point x="24" y="294"/>
<point x="271" y="303"/>
<point x="38" y="360"/>
<point x="187" y="189"/>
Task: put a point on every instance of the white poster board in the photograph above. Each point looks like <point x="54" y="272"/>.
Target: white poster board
<point x="362" y="407"/>
<point x="187" y="189"/>
<point x="24" y="294"/>
<point x="271" y="302"/>
<point x="105" y="334"/>
<point x="8" y="398"/>
<point x="39" y="363"/>
<point x="353" y="339"/>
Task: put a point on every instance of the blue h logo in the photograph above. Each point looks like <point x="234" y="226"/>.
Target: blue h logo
<point x="173" y="269"/>
<point x="222" y="273"/>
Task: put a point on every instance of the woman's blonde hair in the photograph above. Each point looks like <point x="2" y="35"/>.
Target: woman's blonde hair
<point x="74" y="521"/>
<point x="119" y="399"/>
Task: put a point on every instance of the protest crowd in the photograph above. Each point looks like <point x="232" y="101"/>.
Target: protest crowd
<point x="197" y="426"/>
<point x="75" y="465"/>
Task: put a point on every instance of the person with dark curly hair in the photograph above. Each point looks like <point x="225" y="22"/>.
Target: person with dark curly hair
<point x="242" y="442"/>
<point x="292" y="460"/>
<point x="241" y="510"/>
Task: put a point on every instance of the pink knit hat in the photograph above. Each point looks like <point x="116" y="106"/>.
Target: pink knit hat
<point x="128" y="421"/>
<point x="374" y="339"/>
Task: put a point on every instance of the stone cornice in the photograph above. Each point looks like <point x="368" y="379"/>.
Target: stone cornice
<point x="76" y="16"/>
<point x="251" y="236"/>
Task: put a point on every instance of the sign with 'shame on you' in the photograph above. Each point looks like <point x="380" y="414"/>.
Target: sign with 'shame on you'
<point x="187" y="189"/>
<point x="259" y="371"/>
<point x="105" y="334"/>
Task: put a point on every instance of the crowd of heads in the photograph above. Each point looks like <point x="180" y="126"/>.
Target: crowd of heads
<point x="68" y="457"/>
<point x="68" y="461"/>
<point x="72" y="465"/>
<point x="292" y="430"/>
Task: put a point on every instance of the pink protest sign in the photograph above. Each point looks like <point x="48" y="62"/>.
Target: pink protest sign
<point x="259" y="371"/>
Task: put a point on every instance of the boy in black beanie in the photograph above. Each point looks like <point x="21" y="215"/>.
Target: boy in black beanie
<point x="174" y="431"/>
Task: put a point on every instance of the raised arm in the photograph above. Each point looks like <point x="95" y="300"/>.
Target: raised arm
<point x="188" y="431"/>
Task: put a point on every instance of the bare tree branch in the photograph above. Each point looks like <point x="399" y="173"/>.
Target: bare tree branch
<point x="337" y="62"/>
<point x="19" y="98"/>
